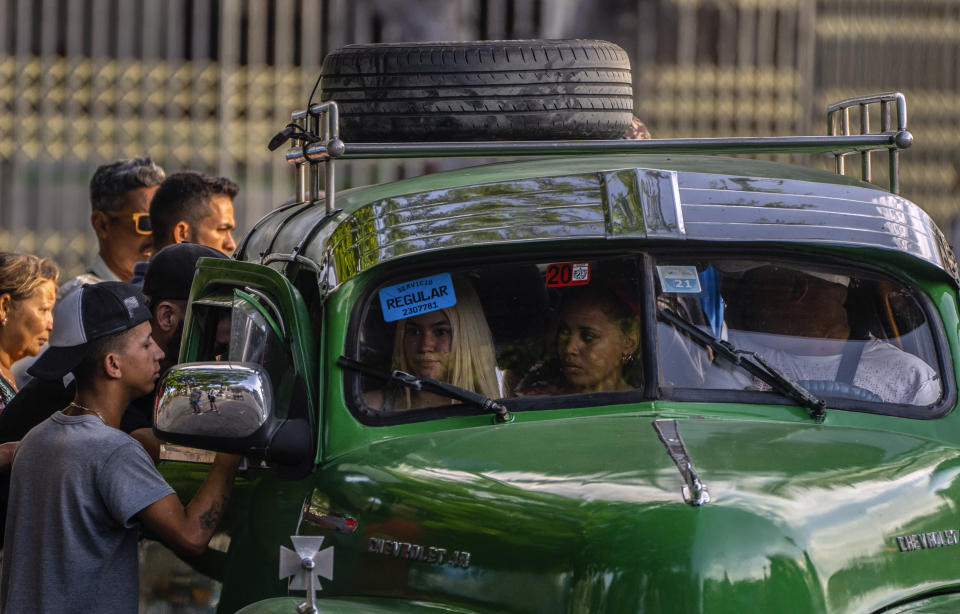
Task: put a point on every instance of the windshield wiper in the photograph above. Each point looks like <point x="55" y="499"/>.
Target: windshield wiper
<point x="751" y="362"/>
<point x="428" y="384"/>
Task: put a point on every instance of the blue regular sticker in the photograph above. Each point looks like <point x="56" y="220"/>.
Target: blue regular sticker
<point x="417" y="296"/>
<point x="679" y="279"/>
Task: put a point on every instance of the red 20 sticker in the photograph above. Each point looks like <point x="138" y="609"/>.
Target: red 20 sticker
<point x="567" y="274"/>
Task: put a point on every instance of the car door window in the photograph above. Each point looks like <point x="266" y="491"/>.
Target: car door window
<point x="244" y="327"/>
<point x="518" y="331"/>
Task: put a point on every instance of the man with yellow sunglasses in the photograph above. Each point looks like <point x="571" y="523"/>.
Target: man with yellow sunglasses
<point x="120" y="194"/>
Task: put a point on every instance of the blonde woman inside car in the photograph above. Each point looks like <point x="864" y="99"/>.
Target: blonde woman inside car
<point x="452" y="345"/>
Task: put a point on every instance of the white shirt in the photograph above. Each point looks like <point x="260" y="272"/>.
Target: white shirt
<point x="97" y="271"/>
<point x="893" y="374"/>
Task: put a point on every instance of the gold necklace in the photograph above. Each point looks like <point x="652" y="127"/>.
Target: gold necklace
<point x="82" y="408"/>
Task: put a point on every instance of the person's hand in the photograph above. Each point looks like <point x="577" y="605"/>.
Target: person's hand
<point x="6" y="453"/>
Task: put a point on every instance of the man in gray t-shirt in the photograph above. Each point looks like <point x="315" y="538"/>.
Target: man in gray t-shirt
<point x="80" y="488"/>
<point x="94" y="481"/>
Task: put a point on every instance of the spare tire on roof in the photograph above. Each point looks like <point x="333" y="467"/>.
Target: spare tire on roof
<point x="478" y="91"/>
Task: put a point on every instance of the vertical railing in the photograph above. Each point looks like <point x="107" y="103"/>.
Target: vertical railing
<point x="838" y="122"/>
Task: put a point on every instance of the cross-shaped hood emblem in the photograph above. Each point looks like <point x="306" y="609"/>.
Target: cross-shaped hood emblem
<point x="305" y="565"/>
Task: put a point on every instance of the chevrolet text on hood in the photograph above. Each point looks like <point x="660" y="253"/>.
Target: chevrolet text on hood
<point x="608" y="375"/>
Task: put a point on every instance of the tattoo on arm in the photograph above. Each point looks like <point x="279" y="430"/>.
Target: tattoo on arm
<point x="211" y="518"/>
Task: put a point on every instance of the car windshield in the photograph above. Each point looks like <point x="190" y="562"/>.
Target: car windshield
<point x="526" y="330"/>
<point x="571" y="333"/>
<point x="836" y="332"/>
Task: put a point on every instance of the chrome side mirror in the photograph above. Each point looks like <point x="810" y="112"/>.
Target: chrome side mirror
<point x="219" y="405"/>
<point x="229" y="407"/>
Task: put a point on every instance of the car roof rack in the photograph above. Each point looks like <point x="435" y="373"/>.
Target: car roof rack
<point x="838" y="123"/>
<point x="317" y="134"/>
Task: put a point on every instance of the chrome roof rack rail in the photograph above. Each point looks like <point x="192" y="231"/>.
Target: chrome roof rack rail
<point x="838" y="123"/>
<point x="320" y="144"/>
<point x="308" y="159"/>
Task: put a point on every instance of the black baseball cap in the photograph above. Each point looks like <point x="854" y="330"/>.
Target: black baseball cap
<point x="170" y="272"/>
<point x="83" y="316"/>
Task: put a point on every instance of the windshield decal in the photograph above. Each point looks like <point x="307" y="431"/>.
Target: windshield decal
<point x="567" y="274"/>
<point x="417" y="296"/>
<point x="679" y="279"/>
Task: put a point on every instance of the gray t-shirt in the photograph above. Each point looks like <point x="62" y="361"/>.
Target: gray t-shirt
<point x="71" y="533"/>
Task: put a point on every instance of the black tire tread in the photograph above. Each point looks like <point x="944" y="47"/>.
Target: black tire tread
<point x="480" y="90"/>
<point x="480" y="56"/>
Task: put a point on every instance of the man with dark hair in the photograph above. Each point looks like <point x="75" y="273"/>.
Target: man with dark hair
<point x="195" y="208"/>
<point x="80" y="487"/>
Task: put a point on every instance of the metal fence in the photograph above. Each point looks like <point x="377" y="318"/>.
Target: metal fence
<point x="912" y="46"/>
<point x="204" y="84"/>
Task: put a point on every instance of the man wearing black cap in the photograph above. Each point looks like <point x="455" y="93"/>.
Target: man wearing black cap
<point x="80" y="487"/>
<point x="167" y="287"/>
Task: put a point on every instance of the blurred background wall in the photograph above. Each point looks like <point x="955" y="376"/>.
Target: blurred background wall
<point x="204" y="84"/>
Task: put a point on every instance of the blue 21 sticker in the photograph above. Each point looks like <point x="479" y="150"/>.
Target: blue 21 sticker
<point x="679" y="279"/>
<point x="417" y="296"/>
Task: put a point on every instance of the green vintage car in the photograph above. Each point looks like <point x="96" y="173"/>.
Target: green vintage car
<point x="608" y="375"/>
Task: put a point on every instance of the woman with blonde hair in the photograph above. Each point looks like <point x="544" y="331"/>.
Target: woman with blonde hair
<point x="452" y="345"/>
<point x="28" y="291"/>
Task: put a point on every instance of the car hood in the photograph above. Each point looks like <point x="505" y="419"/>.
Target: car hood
<point x="587" y="514"/>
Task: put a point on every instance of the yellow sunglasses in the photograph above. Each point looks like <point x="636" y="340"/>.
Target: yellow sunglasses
<point x="141" y="221"/>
